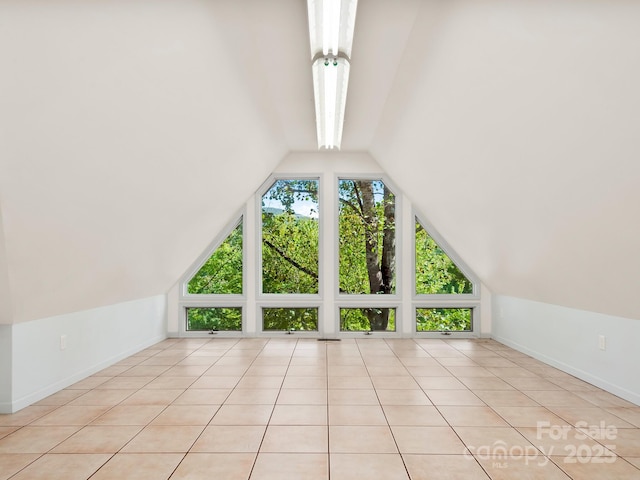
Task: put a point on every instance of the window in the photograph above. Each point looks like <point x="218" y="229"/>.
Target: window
<point x="367" y="319"/>
<point x="366" y="237"/>
<point x="222" y="272"/>
<point x="213" y="295"/>
<point x="290" y="319"/>
<point x="444" y="319"/>
<point x="214" y="319"/>
<point x="329" y="255"/>
<point x="290" y="236"/>
<point x="435" y="271"/>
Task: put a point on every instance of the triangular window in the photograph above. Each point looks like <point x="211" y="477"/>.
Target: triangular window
<point x="435" y="271"/>
<point x="221" y="274"/>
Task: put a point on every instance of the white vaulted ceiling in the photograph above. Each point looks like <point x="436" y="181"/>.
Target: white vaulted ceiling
<point x="131" y="132"/>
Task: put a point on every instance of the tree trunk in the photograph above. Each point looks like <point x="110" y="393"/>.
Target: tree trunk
<point x="388" y="267"/>
<point x="381" y="274"/>
<point x="370" y="218"/>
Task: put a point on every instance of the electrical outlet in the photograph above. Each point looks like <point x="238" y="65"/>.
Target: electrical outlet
<point x="602" y="342"/>
<point x="63" y="342"/>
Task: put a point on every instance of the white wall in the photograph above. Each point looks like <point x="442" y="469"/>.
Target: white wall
<point x="173" y="310"/>
<point x="5" y="291"/>
<point x="568" y="339"/>
<point x="5" y="367"/>
<point x="95" y="339"/>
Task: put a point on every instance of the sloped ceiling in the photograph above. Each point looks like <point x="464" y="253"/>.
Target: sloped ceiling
<point x="131" y="132"/>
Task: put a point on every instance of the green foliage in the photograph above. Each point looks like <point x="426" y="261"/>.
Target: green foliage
<point x="435" y="272"/>
<point x="290" y="262"/>
<point x="443" y="319"/>
<point x="299" y="319"/>
<point x="222" y="272"/>
<point x="357" y="319"/>
<point x="217" y="318"/>
<point x="356" y="229"/>
<point x="290" y="240"/>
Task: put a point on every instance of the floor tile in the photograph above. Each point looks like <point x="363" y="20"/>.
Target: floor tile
<point x="429" y="371"/>
<point x="164" y="439"/>
<point x="302" y="396"/>
<point x="129" y="415"/>
<point x="102" y="397"/>
<point x="260" y="382"/>
<point x="71" y="415"/>
<point x="566" y="442"/>
<point x="346" y="396"/>
<point x="242" y="415"/>
<point x="295" y="439"/>
<point x="629" y="415"/>
<point x="299" y="415"/>
<point x="402" y="397"/>
<point x="219" y="370"/>
<point x="125" y="383"/>
<point x="428" y="440"/>
<point x="395" y="383"/>
<point x="216" y="381"/>
<point x="253" y="396"/>
<point x="186" y="371"/>
<point x="209" y="408"/>
<point x="529" y="416"/>
<point x="618" y="469"/>
<point x="139" y="466"/>
<point x="153" y="397"/>
<point x="440" y="383"/>
<point x="167" y="383"/>
<point x="11" y="463"/>
<point x="422" y="415"/>
<point x="26" y="415"/>
<point x="186" y="415"/>
<point x="479" y="440"/>
<point x="4" y="431"/>
<point x="62" y="467"/>
<point x="384" y="371"/>
<point x="350" y="382"/>
<point x="229" y="439"/>
<point x="358" y="466"/>
<point x="503" y="398"/>
<point x="473" y="372"/>
<point x="203" y="396"/>
<point x="532" y="383"/>
<point x="471" y="416"/>
<point x="361" y="439"/>
<point x="635" y="461"/>
<point x="580" y="415"/>
<point x="144" y="371"/>
<point x="267" y="370"/>
<point x="227" y="466"/>
<point x="510" y="372"/>
<point x="356" y="415"/>
<point x="453" y="397"/>
<point x="98" y="439"/>
<point x="448" y="467"/>
<point x="89" y="383"/>
<point x="557" y="398"/>
<point x="626" y="440"/>
<point x="279" y="466"/>
<point x="62" y="397"/>
<point x="535" y="467"/>
<point x="312" y="382"/>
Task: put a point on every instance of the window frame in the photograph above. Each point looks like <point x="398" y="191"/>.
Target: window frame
<point x="329" y="300"/>
<point x="440" y="300"/>
<point x="212" y="300"/>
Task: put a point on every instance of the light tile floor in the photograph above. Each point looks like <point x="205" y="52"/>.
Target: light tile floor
<point x="370" y="409"/>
